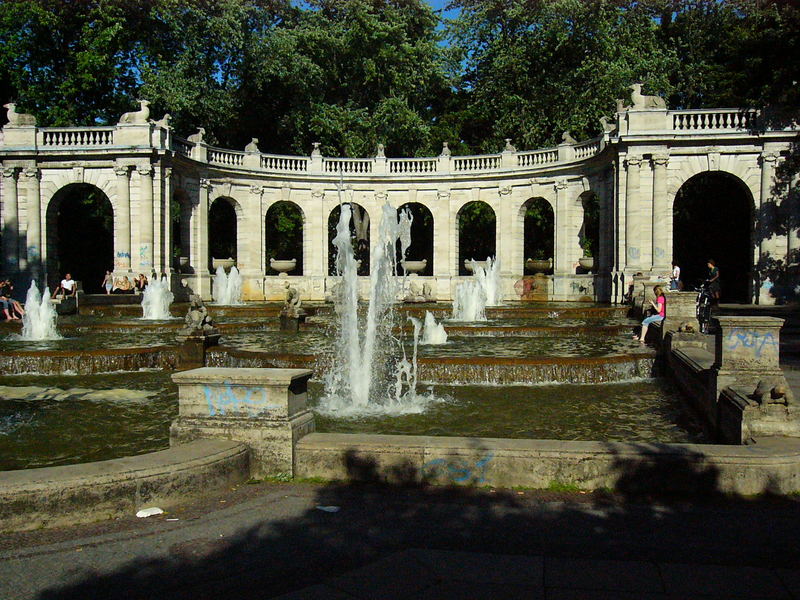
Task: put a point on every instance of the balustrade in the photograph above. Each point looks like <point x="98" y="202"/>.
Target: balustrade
<point x="587" y="149"/>
<point x="347" y="165"/>
<point x="413" y="165"/>
<point x="284" y="164"/>
<point x="74" y="137"/>
<point x="182" y="146"/>
<point x="476" y="163"/>
<point x="537" y="157"/>
<point x="228" y="158"/>
<point x="714" y="120"/>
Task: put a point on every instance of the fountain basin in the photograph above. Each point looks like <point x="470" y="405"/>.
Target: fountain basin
<point x="282" y="266"/>
<point x="414" y="266"/>
<point x="225" y="263"/>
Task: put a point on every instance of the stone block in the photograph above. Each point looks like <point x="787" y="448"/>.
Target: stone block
<point x="748" y="343"/>
<point x="132" y="135"/>
<point x="264" y="408"/>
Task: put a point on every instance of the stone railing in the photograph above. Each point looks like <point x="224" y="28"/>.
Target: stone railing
<point x="587" y="149"/>
<point x="485" y="162"/>
<point x="284" y="164"/>
<point x="182" y="146"/>
<point x="721" y="119"/>
<point x="347" y="166"/>
<point x="227" y="158"/>
<point x="536" y="158"/>
<point x="75" y="137"/>
<point x="413" y="166"/>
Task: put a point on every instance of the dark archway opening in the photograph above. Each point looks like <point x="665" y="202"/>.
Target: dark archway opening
<point x="284" y="234"/>
<point x="421" y="236"/>
<point x="359" y="234"/>
<point x="713" y="218"/>
<point x="221" y="230"/>
<point x="80" y="236"/>
<point x="539" y="227"/>
<point x="477" y="227"/>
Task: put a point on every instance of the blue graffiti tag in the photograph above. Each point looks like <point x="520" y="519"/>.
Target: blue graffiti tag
<point x="457" y="470"/>
<point x="123" y="254"/>
<point x="750" y="339"/>
<point x="236" y="399"/>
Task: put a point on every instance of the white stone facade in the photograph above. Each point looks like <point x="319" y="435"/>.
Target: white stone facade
<point x="635" y="169"/>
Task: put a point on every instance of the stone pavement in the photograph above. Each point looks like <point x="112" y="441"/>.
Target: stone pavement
<point x="275" y="540"/>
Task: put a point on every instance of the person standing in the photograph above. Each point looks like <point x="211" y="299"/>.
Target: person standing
<point x="713" y="280"/>
<point x="675" y="277"/>
<point x="108" y="282"/>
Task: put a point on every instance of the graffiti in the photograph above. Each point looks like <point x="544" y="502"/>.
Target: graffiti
<point x="457" y="470"/>
<point x="123" y="254"/>
<point x="235" y="400"/>
<point x="143" y="258"/>
<point x="750" y="339"/>
<point x="659" y="252"/>
<point x="633" y="252"/>
<point x="33" y="252"/>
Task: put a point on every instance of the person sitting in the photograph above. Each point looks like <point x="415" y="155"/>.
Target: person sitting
<point x="7" y="303"/>
<point x="67" y="287"/>
<point x="123" y="285"/>
<point x="140" y="283"/>
<point x="660" y="306"/>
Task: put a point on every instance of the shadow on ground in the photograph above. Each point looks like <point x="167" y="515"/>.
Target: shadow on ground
<point x="376" y="520"/>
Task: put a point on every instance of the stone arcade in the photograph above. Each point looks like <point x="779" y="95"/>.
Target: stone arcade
<point x="634" y="170"/>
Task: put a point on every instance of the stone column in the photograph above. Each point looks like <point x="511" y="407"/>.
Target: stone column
<point x="504" y="249"/>
<point x="200" y="241"/>
<point x="661" y="252"/>
<point x="122" y="243"/>
<point x="11" y="220"/>
<point x="633" y="256"/>
<point x="145" y="218"/>
<point x="561" y="258"/>
<point x="166" y="259"/>
<point x="771" y="242"/>
<point x="34" y="218"/>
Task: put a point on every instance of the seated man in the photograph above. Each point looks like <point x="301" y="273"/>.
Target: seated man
<point x="67" y="287"/>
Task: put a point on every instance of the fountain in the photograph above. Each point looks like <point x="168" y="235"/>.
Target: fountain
<point x="434" y="333"/>
<point x="366" y="375"/>
<point x="482" y="290"/>
<point x="489" y="278"/>
<point x="39" y="320"/>
<point x="156" y="300"/>
<point x="227" y="287"/>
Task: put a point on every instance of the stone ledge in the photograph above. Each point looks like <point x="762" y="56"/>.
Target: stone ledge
<point x="69" y="494"/>
<point x="770" y="465"/>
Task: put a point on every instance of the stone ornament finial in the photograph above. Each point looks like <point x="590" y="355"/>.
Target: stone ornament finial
<point x="640" y="101"/>
<point x="16" y="119"/>
<point x="252" y="146"/>
<point x="381" y="152"/>
<point x="608" y="126"/>
<point x="316" y="151"/>
<point x="163" y="123"/>
<point x="445" y="149"/>
<point x="509" y="147"/>
<point x="137" y="117"/>
<point x="197" y="138"/>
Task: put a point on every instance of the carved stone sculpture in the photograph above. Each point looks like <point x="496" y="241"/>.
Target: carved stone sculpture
<point x="196" y="138"/>
<point x="252" y="146"/>
<point x="608" y="126"/>
<point x="566" y="138"/>
<point x="18" y="119"/>
<point x="198" y="322"/>
<point x="641" y="101"/>
<point x="292" y="307"/>
<point x="163" y="123"/>
<point x="138" y="117"/>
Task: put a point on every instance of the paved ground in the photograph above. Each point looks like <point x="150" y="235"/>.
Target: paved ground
<point x="303" y="541"/>
<point x="266" y="540"/>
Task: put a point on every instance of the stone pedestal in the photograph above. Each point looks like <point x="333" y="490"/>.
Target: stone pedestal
<point x="291" y="323"/>
<point x="192" y="352"/>
<point x="263" y="408"/>
<point x="681" y="308"/>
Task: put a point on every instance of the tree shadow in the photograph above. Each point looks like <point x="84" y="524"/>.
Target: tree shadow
<point x="656" y="513"/>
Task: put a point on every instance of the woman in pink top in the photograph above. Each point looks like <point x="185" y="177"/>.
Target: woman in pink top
<point x="660" y="305"/>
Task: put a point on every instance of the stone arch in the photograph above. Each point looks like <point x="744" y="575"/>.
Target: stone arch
<point x="359" y="230"/>
<point x="224" y="219"/>
<point x="284" y="225"/>
<point x="713" y="217"/>
<point x="422" y="235"/>
<point x="79" y="235"/>
<point x="476" y="233"/>
<point x="537" y="219"/>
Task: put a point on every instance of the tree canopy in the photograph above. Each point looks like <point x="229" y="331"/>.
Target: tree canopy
<point x="353" y="74"/>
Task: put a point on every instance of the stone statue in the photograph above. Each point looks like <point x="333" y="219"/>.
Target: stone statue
<point x="252" y="146"/>
<point x="16" y="119"/>
<point x="566" y="138"/>
<point x="445" y="149"/>
<point x="198" y="322"/>
<point x="509" y="147"/>
<point x="381" y="153"/>
<point x="641" y="101"/>
<point x="197" y="138"/>
<point x="417" y="293"/>
<point x="292" y="307"/>
<point x="608" y="126"/>
<point x="138" y="117"/>
<point x="163" y="123"/>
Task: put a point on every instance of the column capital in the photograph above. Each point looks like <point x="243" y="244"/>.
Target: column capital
<point x="33" y="172"/>
<point x="633" y="160"/>
<point x="381" y="196"/>
<point x="256" y="190"/>
<point x="660" y="160"/>
<point x="205" y="183"/>
<point x="144" y="170"/>
<point x="122" y="171"/>
<point x="769" y="157"/>
<point x="167" y="172"/>
<point x="560" y="184"/>
<point x="9" y="172"/>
